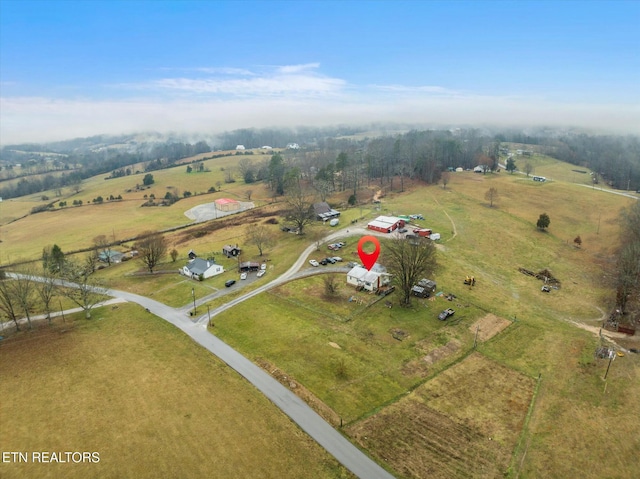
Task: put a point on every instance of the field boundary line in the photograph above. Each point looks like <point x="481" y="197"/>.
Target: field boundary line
<point x="525" y="427"/>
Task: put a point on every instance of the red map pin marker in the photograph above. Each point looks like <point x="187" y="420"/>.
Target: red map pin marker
<point x="368" y="259"/>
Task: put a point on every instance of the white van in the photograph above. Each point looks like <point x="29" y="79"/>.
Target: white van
<point x="334" y="222"/>
<point x="434" y="236"/>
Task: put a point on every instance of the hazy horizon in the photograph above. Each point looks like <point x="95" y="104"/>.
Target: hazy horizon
<point x="77" y="69"/>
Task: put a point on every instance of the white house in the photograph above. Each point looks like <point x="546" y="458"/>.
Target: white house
<point x="240" y="147"/>
<point x="198" y="266"/>
<point x="369" y="280"/>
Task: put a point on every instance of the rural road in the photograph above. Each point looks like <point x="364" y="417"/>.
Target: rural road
<point x="306" y="418"/>
<point x="294" y="407"/>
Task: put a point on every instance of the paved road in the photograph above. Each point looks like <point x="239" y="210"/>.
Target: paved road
<point x="294" y="407"/>
<point x="306" y="418"/>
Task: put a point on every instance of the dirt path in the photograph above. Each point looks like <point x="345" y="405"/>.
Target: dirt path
<point x="453" y="225"/>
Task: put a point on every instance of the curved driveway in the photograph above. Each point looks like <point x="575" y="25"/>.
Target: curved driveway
<point x="306" y="418"/>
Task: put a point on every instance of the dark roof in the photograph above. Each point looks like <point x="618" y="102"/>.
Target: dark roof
<point x="321" y="208"/>
<point x="199" y="265"/>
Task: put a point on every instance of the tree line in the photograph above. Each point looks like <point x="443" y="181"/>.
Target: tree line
<point x="91" y="163"/>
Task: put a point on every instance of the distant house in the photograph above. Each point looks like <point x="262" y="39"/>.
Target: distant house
<point x="369" y="280"/>
<point x="324" y="212"/>
<point x="226" y="204"/>
<point x="231" y="251"/>
<point x="110" y="256"/>
<point x="266" y="147"/>
<point x="293" y="146"/>
<point x="240" y="147"/>
<point x="198" y="266"/>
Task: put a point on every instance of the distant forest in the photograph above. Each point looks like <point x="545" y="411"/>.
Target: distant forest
<point x="336" y="158"/>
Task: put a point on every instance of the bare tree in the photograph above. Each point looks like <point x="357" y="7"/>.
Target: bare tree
<point x="299" y="206"/>
<point x="528" y="168"/>
<point x="151" y="249"/>
<point x="8" y="300"/>
<point x="24" y="289"/>
<point x="80" y="287"/>
<point x="247" y="194"/>
<point x="229" y="175"/>
<point x="47" y="288"/>
<point x="445" y="177"/>
<point x="331" y="285"/>
<point x="260" y="236"/>
<point x="409" y="260"/>
<point x="174" y="255"/>
<point x="491" y="196"/>
<point x="245" y="165"/>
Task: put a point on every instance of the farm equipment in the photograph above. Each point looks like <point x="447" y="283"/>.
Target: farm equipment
<point x="470" y="280"/>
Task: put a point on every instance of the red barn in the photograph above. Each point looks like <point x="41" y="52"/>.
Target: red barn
<point x="386" y="224"/>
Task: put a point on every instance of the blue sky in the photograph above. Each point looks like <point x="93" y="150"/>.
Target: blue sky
<point x="77" y="68"/>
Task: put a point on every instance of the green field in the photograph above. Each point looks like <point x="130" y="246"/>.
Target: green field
<point x="135" y="390"/>
<point x="528" y="402"/>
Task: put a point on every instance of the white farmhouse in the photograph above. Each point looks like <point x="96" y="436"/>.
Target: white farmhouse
<point x="368" y="280"/>
<point x="198" y="266"/>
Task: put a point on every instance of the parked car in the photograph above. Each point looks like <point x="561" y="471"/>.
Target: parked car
<point x="341" y="244"/>
<point x="261" y="273"/>
<point x="263" y="266"/>
<point x="324" y="262"/>
<point x="402" y="230"/>
<point x="446" y="314"/>
<point x="336" y="258"/>
<point x="230" y="282"/>
<point x="352" y="264"/>
<point x="330" y="260"/>
<point x="313" y="262"/>
<point x="416" y="217"/>
<point x="243" y="276"/>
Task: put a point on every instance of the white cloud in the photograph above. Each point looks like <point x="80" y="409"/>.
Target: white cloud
<point x="224" y="99"/>
<point x="287" y="69"/>
<point x="281" y="80"/>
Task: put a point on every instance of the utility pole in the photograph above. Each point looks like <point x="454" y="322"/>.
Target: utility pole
<point x="193" y="294"/>
<point x="209" y="314"/>
<point x="609" y="365"/>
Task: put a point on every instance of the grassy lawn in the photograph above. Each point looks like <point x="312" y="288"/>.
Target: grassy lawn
<point x="409" y="388"/>
<point x="137" y="391"/>
<point x="344" y="352"/>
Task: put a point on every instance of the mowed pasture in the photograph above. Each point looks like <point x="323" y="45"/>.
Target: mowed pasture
<point x="74" y="227"/>
<point x="137" y="391"/>
<point x="448" y="427"/>
<point x="364" y="360"/>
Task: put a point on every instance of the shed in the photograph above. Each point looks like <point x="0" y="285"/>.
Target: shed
<point x="324" y="212"/>
<point x="231" y="251"/>
<point x="226" y="204"/>
<point x="386" y="224"/>
<point x="428" y="284"/>
<point x="249" y="266"/>
<point x="420" y="292"/>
